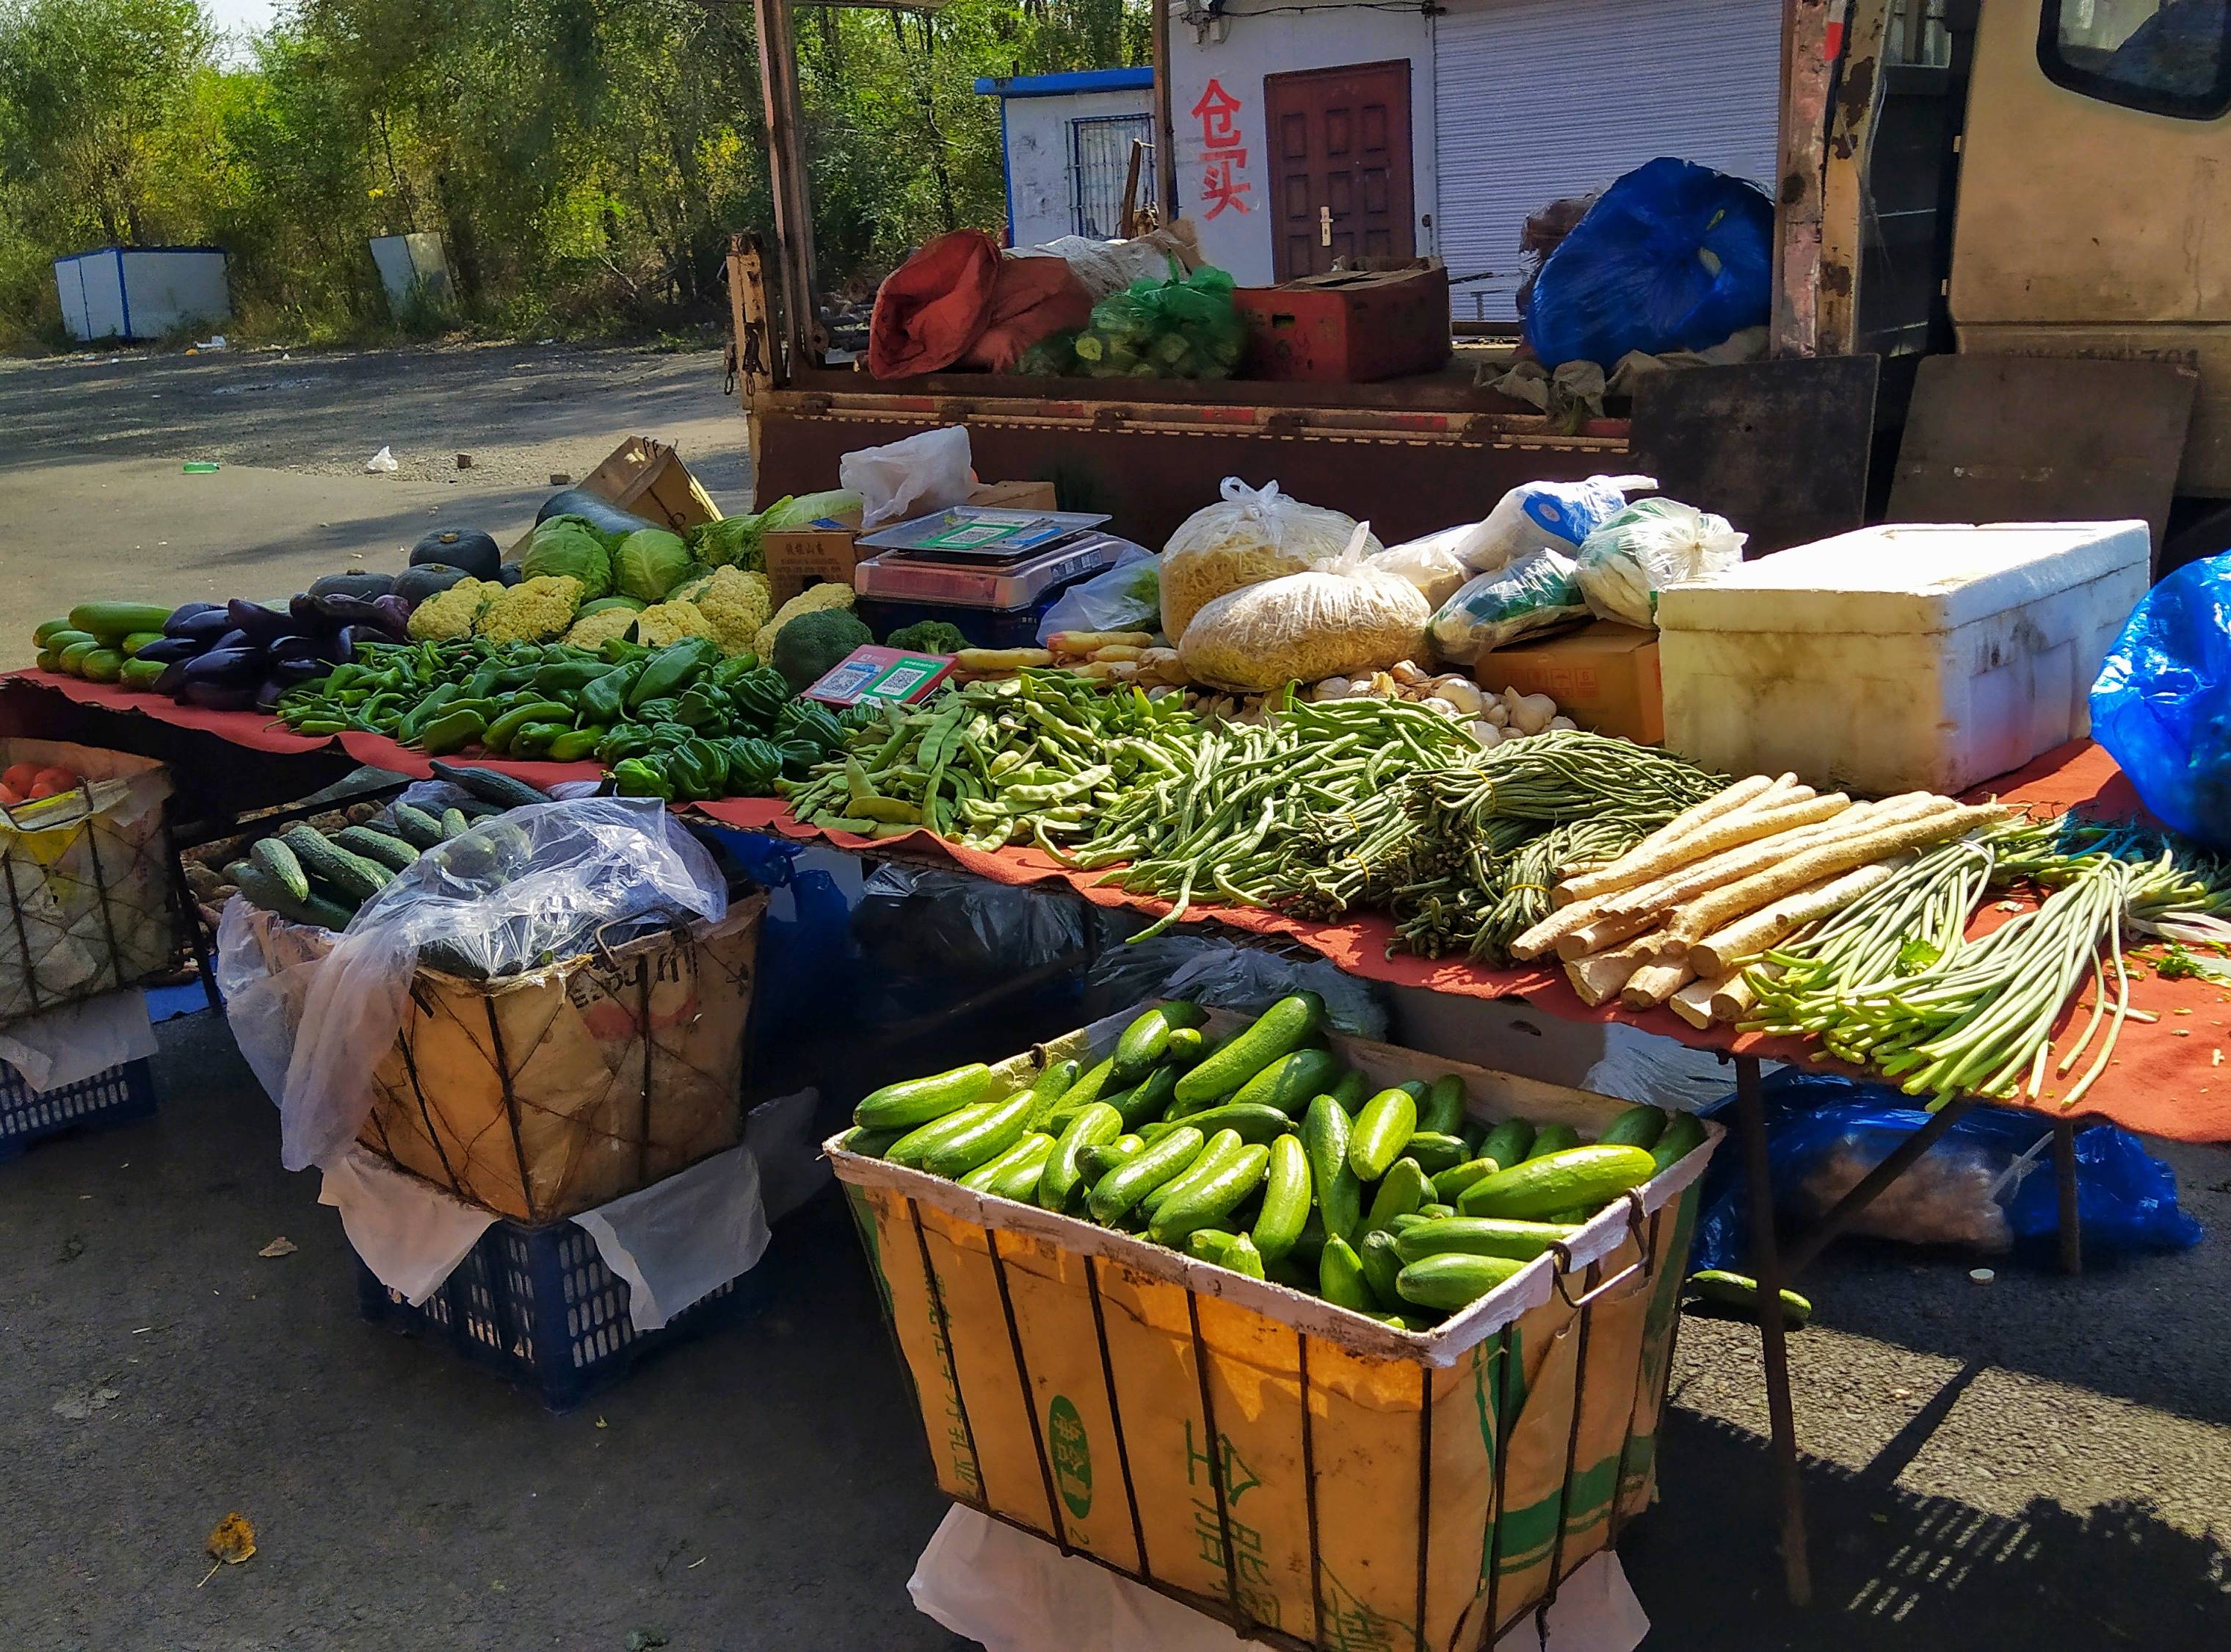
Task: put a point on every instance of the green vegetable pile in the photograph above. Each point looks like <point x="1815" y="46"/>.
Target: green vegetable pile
<point x="1267" y="1154"/>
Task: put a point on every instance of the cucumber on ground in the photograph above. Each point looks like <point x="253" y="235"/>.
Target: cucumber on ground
<point x="1285" y="1200"/>
<point x="356" y="878"/>
<point x="1638" y="1126"/>
<point x="1553" y="1139"/>
<point x="1286" y="1025"/>
<point x="1325" y="1131"/>
<point x="1737" y="1291"/>
<point x="1382" y="1131"/>
<point x="1453" y="1279"/>
<point x="391" y="852"/>
<point x="917" y="1101"/>
<point x="1522" y="1241"/>
<point x="1684" y="1134"/>
<point x="1581" y="1178"/>
<point x="276" y="858"/>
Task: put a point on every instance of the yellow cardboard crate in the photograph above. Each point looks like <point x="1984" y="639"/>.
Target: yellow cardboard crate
<point x="1366" y="1486"/>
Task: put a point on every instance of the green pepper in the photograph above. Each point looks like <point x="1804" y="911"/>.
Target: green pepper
<point x="574" y="744"/>
<point x="605" y="700"/>
<point x="698" y="770"/>
<point x="321" y="726"/>
<point x="661" y="710"/>
<point x="753" y="767"/>
<point x="636" y="777"/>
<point x="423" y="712"/>
<point x="568" y="675"/>
<point x="665" y="736"/>
<point x="673" y="668"/>
<point x="451" y="731"/>
<point x="536" y="739"/>
<point x="500" y="733"/>
<point x="628" y="740"/>
<point x="733" y="670"/>
<point x="617" y="651"/>
<point x="704" y="707"/>
<point x="483" y="682"/>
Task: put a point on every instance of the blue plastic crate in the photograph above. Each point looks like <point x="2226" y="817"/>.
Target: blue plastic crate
<point x="539" y="1307"/>
<point x="116" y="1096"/>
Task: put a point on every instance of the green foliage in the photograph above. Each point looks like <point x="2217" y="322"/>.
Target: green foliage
<point x="585" y="163"/>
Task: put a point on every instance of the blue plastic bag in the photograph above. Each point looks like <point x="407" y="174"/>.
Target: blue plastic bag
<point x="1823" y="1132"/>
<point x="2161" y="706"/>
<point x="1672" y="256"/>
<point x="803" y="958"/>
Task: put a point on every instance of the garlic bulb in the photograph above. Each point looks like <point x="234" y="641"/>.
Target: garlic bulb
<point x="1435" y="702"/>
<point x="1333" y="688"/>
<point x="1562" y="723"/>
<point x="1531" y="715"/>
<point x="1495" y="712"/>
<point x="1460" y="692"/>
<point x="1486" y="733"/>
<point x="1407" y="674"/>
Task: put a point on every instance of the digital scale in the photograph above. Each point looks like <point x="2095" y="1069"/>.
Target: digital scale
<point x="973" y="556"/>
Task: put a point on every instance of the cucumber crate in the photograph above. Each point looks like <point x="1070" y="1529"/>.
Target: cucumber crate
<point x="1313" y="1477"/>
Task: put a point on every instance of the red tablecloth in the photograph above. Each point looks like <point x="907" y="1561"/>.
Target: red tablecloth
<point x="255" y="729"/>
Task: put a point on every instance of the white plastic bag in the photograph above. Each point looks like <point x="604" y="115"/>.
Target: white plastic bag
<point x="1536" y="592"/>
<point x="1346" y="619"/>
<point x="1127" y="596"/>
<point x="909" y="478"/>
<point x="1248" y="536"/>
<point x="1432" y="563"/>
<point x="1545" y="516"/>
<point x="382" y="462"/>
<point x="1653" y="544"/>
<point x="547" y="881"/>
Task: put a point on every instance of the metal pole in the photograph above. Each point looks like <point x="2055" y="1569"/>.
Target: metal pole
<point x="1766" y="1268"/>
<point x="794" y="202"/>
<point x="2064" y="1172"/>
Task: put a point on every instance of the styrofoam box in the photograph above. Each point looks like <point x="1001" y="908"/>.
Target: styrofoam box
<point x="1900" y="657"/>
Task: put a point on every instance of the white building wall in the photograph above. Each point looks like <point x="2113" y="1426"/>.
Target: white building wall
<point x="1041" y="189"/>
<point x="1254" y="38"/>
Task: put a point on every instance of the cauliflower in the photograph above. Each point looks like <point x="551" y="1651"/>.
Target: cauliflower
<point x="449" y="616"/>
<point x="814" y="644"/>
<point x="734" y="604"/>
<point x="811" y="600"/>
<point x="533" y="611"/>
<point x="670" y="622"/>
<point x="593" y="631"/>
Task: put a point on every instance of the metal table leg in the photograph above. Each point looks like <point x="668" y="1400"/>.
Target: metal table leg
<point x="1766" y="1268"/>
<point x="2064" y="1170"/>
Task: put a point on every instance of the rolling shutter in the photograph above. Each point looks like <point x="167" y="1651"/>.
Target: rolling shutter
<point x="1539" y="99"/>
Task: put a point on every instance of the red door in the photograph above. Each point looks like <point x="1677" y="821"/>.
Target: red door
<point x="1340" y="165"/>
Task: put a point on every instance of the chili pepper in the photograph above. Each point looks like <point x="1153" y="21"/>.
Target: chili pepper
<point x="628" y="740"/>
<point x="321" y="726"/>
<point x="500" y="733"/>
<point x="344" y="677"/>
<point x="568" y="675"/>
<point x="733" y="670"/>
<point x="483" y="682"/>
<point x="605" y="700"/>
<point x="575" y="744"/>
<point x="451" y="731"/>
<point x="424" y="712"/>
<point x="636" y="777"/>
<point x="673" y="668"/>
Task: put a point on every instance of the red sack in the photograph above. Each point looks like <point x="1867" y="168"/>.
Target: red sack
<point x="931" y="308"/>
<point x="1034" y="299"/>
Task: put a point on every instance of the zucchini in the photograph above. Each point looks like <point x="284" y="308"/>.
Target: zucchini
<point x="1382" y="1267"/>
<point x="1401" y="1192"/>
<point x="391" y="852"/>
<point x="1288" y="1082"/>
<point x="508" y="791"/>
<point x="1507" y="1142"/>
<point x="355" y="877"/>
<point x="1132" y="1181"/>
<point x="264" y="891"/>
<point x="1442" y="1111"/>
<point x="1554" y="1138"/>
<point x="1285" y="1200"/>
<point x="1064" y="1170"/>
<point x="1147" y="1038"/>
<point x="1578" y="1177"/>
<point x="983" y="1139"/>
<point x="1206" y="1201"/>
<point x="279" y="860"/>
<point x="1727" y="1290"/>
<point x="1453" y="1279"/>
<point x="1287" y="1025"/>
<point x="414" y="825"/>
<point x="1382" y="1131"/>
<point x="1684" y="1134"/>
<point x="1522" y="1241"/>
<point x="918" y="1101"/>
<point x="1325" y="1130"/>
<point x="1638" y="1126"/>
<point x="117" y="620"/>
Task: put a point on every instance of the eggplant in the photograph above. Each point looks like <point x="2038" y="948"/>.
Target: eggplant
<point x="232" y="639"/>
<point x="267" y="692"/>
<point x="187" y="614"/>
<point x="367" y="585"/>
<point x="204" y="628"/>
<point x="346" y="638"/>
<point x="458" y="547"/>
<point x="172" y="679"/>
<point x="261" y="623"/>
<point x="348" y="611"/>
<point x="300" y="668"/>
<point x="294" y="647"/>
<point x="304" y="616"/>
<point x="218" y="697"/>
<point x="236" y="667"/>
<point x="394" y="615"/>
<point x="170" y="650"/>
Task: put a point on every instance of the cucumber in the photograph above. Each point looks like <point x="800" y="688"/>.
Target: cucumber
<point x="1381" y="1268"/>
<point x="983" y="1139"/>
<point x="1049" y="1087"/>
<point x="1553" y="1139"/>
<point x="1146" y="1100"/>
<point x="117" y="620"/>
<point x="356" y="877"/>
<point x="47" y="630"/>
<point x="141" y="674"/>
<point x="68" y="638"/>
<point x="1113" y="1196"/>
<point x="391" y="852"/>
<point x="1288" y="1082"/>
<point x="1737" y="1291"/>
<point x="1435" y="1211"/>
<point x="1147" y="1038"/>
<point x="1450" y="1183"/>
<point x="1507" y="1142"/>
<point x="1340" y="1277"/>
<point x="1099" y="1161"/>
<point x="1208" y="1244"/>
<point x="1220" y="1150"/>
<point x="74" y="656"/>
<point x="1435" y="1151"/>
<point x="870" y="1143"/>
<point x="1325" y="1131"/>
<point x="1403" y="1224"/>
<point x="1521" y="1241"/>
<point x="1082" y="1094"/>
<point x="1381" y="1130"/>
<point x="1310" y="1245"/>
<point x="1255" y="1121"/>
<point x="455" y="823"/>
<point x="1286" y="1025"/>
<point x="102" y="665"/>
<point x="1188" y="1047"/>
<point x="1638" y="1126"/>
<point x="413" y="825"/>
<point x="1064" y="1171"/>
<point x="140" y="639"/>
<point x="1241" y="1257"/>
<point x="1353" y="1090"/>
<point x="1578" y="1177"/>
<point x="1401" y="1192"/>
<point x="1015" y="1174"/>
<point x="264" y="891"/>
<point x="279" y="860"/>
<point x="505" y="791"/>
<point x="917" y="1101"/>
<point x="1285" y="1200"/>
<point x="920" y="1142"/>
<point x="1684" y="1134"/>
<point x="1452" y="1280"/>
<point x="1206" y="1201"/>
<point x="1442" y="1111"/>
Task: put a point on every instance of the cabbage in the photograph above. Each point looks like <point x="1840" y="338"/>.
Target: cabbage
<point x="733" y="541"/>
<point x="838" y="504"/>
<point x="568" y="546"/>
<point x="650" y="562"/>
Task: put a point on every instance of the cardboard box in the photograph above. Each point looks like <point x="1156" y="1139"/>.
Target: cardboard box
<point x="647" y="478"/>
<point x="1604" y="676"/>
<point x="824" y="554"/>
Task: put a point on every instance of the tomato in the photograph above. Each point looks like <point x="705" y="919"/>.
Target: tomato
<point x="19" y="776"/>
<point x="9" y="797"/>
<point x="55" y="779"/>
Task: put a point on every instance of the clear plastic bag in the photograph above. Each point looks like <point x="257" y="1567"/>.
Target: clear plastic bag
<point x="1432" y="563"/>
<point x="1536" y="592"/>
<point x="1544" y="516"/>
<point x="526" y="888"/>
<point x="1126" y="597"/>
<point x="1247" y="536"/>
<point x="909" y="477"/>
<point x="1651" y="544"/>
<point x="1346" y="619"/>
<point x="1227" y="975"/>
<point x="2162" y="705"/>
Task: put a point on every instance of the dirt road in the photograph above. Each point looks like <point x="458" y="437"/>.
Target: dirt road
<point x="94" y="502"/>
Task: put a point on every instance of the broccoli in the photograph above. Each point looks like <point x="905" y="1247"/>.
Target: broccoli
<point x="929" y="637"/>
<point x="812" y="644"/>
